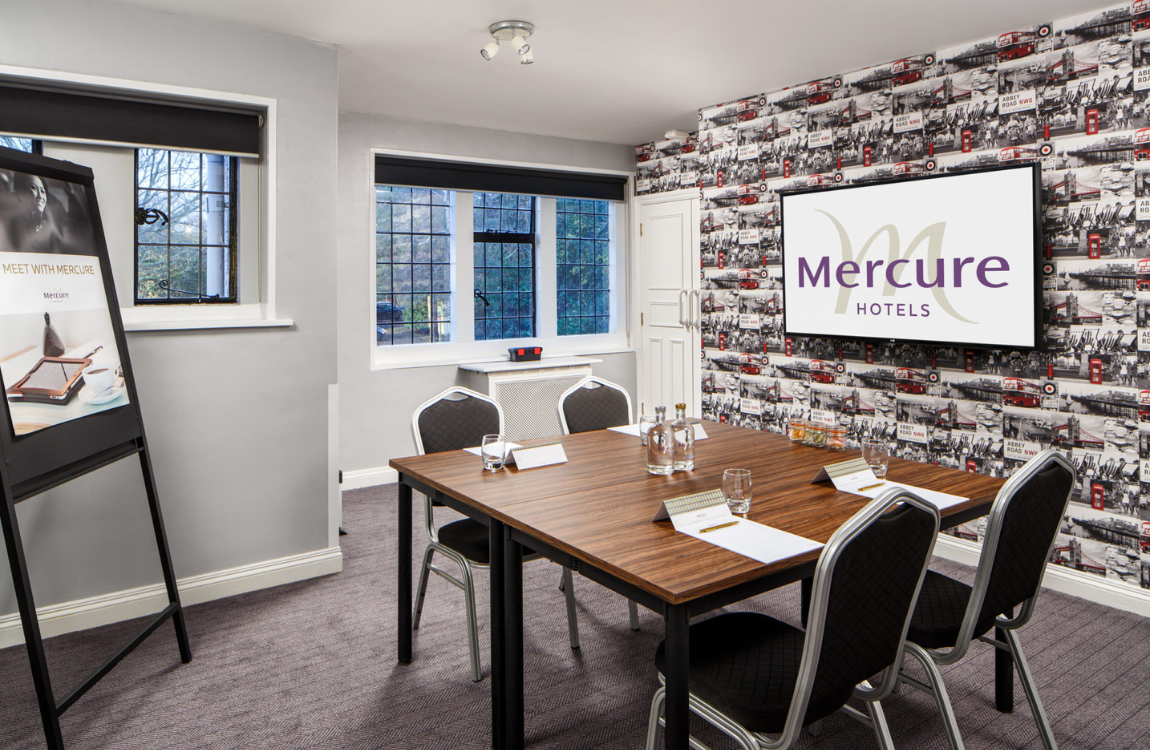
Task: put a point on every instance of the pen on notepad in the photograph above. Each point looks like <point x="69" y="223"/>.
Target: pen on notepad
<point x="871" y="486"/>
<point x="720" y="526"/>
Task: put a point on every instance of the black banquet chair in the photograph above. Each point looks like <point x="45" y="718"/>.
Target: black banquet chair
<point x="451" y="420"/>
<point x="596" y="404"/>
<point x="754" y="677"/>
<point x="1020" y="532"/>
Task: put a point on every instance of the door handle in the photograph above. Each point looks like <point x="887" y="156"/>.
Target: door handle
<point x="695" y="311"/>
<point x="684" y="295"/>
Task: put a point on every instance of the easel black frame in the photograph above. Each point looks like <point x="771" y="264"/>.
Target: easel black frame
<point x="36" y="462"/>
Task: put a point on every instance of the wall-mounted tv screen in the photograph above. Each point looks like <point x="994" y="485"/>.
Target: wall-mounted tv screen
<point x="950" y="259"/>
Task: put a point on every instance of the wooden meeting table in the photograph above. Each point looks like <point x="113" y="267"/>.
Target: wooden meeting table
<point x="594" y="515"/>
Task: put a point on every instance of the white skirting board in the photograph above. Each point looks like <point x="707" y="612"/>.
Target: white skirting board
<point x="360" y="478"/>
<point x="69" y="617"/>
<point x="1083" y="585"/>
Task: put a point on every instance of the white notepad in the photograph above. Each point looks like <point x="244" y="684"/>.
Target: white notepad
<point x="706" y="517"/>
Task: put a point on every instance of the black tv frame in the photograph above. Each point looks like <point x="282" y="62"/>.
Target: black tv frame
<point x="1038" y="334"/>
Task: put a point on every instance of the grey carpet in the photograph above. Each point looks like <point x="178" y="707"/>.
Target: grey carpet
<point x="312" y="665"/>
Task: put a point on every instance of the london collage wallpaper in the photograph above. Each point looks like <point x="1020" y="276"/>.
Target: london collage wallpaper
<point x="1069" y="94"/>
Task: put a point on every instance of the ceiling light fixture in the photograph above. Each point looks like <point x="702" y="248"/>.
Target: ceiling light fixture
<point x="515" y="32"/>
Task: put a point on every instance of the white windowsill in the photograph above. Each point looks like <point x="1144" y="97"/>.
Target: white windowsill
<point x="195" y="317"/>
<point x="445" y="354"/>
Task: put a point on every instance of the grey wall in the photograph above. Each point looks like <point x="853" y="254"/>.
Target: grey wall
<point x="237" y="420"/>
<point x="376" y="406"/>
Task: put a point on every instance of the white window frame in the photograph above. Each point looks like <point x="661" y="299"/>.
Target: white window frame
<point x="254" y="313"/>
<point x="463" y="349"/>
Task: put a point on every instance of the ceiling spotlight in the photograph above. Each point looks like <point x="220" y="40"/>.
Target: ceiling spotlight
<point x="515" y="32"/>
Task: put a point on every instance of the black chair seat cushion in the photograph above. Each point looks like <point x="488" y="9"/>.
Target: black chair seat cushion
<point x="746" y="665"/>
<point x="469" y="538"/>
<point x="938" y="614"/>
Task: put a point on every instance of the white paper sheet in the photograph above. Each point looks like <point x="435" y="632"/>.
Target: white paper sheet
<point x="633" y="429"/>
<point x="754" y="540"/>
<point x="940" y="500"/>
<point x="705" y="516"/>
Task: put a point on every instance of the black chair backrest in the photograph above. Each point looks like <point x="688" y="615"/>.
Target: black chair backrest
<point x="1029" y="524"/>
<point x="595" y="408"/>
<point x="449" y="425"/>
<point x="873" y="586"/>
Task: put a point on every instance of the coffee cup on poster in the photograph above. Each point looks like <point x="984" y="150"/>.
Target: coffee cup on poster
<point x="99" y="378"/>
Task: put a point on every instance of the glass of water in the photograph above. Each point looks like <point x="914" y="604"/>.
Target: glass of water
<point x="646" y="422"/>
<point x="737" y="490"/>
<point x="874" y="453"/>
<point x="494" y="450"/>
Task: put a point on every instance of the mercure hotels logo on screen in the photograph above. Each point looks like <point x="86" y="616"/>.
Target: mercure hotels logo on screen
<point x="868" y="286"/>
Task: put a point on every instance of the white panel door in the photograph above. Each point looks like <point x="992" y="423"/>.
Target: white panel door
<point x="669" y="304"/>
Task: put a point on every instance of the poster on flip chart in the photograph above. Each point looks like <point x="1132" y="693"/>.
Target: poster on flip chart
<point x="58" y="355"/>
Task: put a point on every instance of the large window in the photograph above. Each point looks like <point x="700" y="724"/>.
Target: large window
<point x="471" y="259"/>
<point x="413" y="278"/>
<point x="504" y="248"/>
<point x="185" y="227"/>
<point x="20" y="144"/>
<point x="583" y="265"/>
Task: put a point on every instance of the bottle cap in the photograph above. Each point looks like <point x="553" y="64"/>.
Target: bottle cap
<point x="680" y="406"/>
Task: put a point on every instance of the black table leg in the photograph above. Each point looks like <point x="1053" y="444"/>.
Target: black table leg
<point x="677" y="710"/>
<point x="513" y="642"/>
<point x="1003" y="672"/>
<point x="498" y="635"/>
<point x="404" y="589"/>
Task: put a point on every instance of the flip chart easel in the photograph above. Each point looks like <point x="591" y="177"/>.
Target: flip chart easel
<point x="50" y="455"/>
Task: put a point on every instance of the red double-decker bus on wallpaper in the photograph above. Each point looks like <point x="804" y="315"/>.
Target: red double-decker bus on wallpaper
<point x="821" y="371"/>
<point x="1142" y="144"/>
<point x="819" y="92"/>
<point x="909" y="380"/>
<point x="748" y="279"/>
<point x="1140" y="15"/>
<point x="907" y="169"/>
<point x="1017" y="154"/>
<point x="1144" y="406"/>
<point x="1019" y="392"/>
<point x="748" y="195"/>
<point x="747" y="110"/>
<point x="908" y="70"/>
<point x="1015" y="44"/>
<point x="1142" y="275"/>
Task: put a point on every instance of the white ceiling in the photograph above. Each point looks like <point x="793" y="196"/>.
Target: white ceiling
<point x="615" y="71"/>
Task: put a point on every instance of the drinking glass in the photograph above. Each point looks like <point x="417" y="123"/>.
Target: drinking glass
<point x="874" y="453"/>
<point x="737" y="490"/>
<point x="494" y="450"/>
<point x="646" y="422"/>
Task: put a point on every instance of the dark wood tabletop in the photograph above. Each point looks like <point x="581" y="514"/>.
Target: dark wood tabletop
<point x="598" y="507"/>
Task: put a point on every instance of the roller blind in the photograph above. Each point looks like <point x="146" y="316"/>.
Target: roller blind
<point x="87" y="116"/>
<point x="488" y="178"/>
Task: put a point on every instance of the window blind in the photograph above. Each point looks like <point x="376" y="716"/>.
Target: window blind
<point x="47" y="113"/>
<point x="489" y="178"/>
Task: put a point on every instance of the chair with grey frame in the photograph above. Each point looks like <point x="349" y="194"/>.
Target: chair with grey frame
<point x="1020" y="533"/>
<point x="596" y="404"/>
<point x="451" y="420"/>
<point x="754" y="677"/>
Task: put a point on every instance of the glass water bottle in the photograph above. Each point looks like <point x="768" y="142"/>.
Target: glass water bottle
<point x="660" y="445"/>
<point x="684" y="440"/>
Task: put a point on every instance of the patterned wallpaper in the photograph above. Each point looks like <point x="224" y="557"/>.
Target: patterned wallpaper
<point x="1071" y="95"/>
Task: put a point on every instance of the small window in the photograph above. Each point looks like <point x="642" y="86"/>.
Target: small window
<point x="583" y="266"/>
<point x="413" y="265"/>
<point x="186" y="207"/>
<point x="504" y="248"/>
